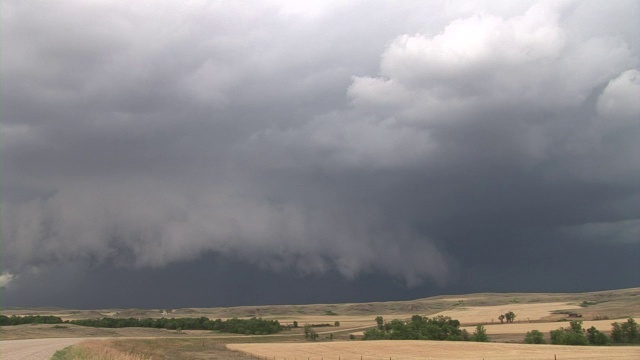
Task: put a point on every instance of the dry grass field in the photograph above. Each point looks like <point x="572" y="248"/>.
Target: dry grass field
<point x="41" y="331"/>
<point x="97" y="350"/>
<point x="542" y="312"/>
<point x="413" y="350"/>
<point x="612" y="303"/>
<point x="489" y="314"/>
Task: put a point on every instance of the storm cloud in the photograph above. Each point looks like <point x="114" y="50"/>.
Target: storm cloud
<point x="413" y="141"/>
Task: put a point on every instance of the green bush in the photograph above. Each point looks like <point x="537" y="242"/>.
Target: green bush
<point x="574" y="335"/>
<point x="534" y="337"/>
<point x="310" y="333"/>
<point x="480" y="335"/>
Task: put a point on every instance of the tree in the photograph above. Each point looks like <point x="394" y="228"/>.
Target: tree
<point x="337" y="323"/>
<point x="630" y="331"/>
<point x="380" y="322"/>
<point x="510" y="316"/>
<point x="480" y="335"/>
<point x="418" y="328"/>
<point x="616" y="333"/>
<point x="501" y="318"/>
<point x="309" y="333"/>
<point x="295" y="324"/>
<point x="534" y="337"/>
<point x="576" y="326"/>
<point x="626" y="332"/>
<point x="596" y="337"/>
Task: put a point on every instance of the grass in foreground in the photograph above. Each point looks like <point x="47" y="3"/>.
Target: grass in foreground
<point x="147" y="349"/>
<point x="95" y="350"/>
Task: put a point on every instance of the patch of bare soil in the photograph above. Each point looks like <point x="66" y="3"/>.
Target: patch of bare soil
<point x="34" y="349"/>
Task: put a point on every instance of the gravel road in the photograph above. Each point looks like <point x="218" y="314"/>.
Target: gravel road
<point x="34" y="349"/>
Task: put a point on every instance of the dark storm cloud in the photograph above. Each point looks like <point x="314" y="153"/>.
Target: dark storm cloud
<point x="414" y="141"/>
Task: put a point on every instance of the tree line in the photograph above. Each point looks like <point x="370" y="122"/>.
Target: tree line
<point x="423" y="328"/>
<point x="253" y="326"/>
<point x="29" y="319"/>
<point x="575" y="334"/>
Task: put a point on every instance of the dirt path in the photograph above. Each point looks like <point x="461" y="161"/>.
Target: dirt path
<point x="34" y="349"/>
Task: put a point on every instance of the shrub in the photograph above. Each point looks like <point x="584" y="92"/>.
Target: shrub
<point x="586" y="303"/>
<point x="310" y="333"/>
<point x="480" y="335"/>
<point x="574" y="335"/>
<point x="534" y="337"/>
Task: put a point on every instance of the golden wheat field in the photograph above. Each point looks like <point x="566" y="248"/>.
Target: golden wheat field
<point x="414" y="350"/>
<point x="488" y="314"/>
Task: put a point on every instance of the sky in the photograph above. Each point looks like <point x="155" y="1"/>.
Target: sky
<point x="220" y="153"/>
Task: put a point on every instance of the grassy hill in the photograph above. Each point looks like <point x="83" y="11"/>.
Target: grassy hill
<point x="611" y="303"/>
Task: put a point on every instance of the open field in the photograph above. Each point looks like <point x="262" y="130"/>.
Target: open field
<point x="39" y="331"/>
<point x="613" y="303"/>
<point x="413" y="350"/>
<point x="543" y="312"/>
<point x="154" y="349"/>
<point x="489" y="314"/>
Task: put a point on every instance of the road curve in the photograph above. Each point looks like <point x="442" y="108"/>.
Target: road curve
<point x="34" y="349"/>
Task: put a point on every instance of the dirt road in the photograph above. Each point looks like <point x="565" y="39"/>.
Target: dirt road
<point x="34" y="349"/>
